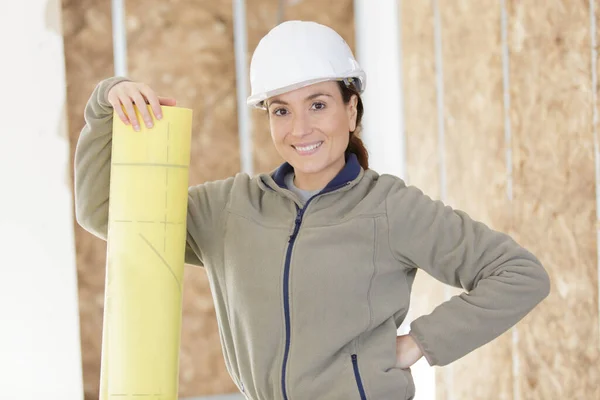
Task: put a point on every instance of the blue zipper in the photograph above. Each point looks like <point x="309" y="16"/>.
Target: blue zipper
<point x="286" y="283"/>
<point x="361" y="389"/>
<point x="286" y="297"/>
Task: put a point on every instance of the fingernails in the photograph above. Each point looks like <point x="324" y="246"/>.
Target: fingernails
<point x="149" y="124"/>
<point x="136" y="127"/>
<point x="159" y="116"/>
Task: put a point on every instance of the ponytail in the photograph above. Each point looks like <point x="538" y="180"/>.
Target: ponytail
<point x="357" y="147"/>
<point x="355" y="144"/>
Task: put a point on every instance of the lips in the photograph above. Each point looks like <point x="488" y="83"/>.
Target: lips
<point x="307" y="148"/>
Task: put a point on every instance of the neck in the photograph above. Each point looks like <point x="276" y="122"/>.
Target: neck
<point x="318" y="180"/>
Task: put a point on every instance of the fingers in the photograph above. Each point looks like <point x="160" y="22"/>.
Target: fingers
<point x="153" y="100"/>
<point x="167" y="101"/>
<point x="115" y="102"/>
<point x="130" y="112"/>
<point x="120" y="97"/>
<point x="140" y="102"/>
<point x="119" y="110"/>
<point x="127" y="94"/>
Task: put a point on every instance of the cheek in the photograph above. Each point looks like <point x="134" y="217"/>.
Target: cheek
<point x="338" y="130"/>
<point x="277" y="131"/>
<point x="344" y="140"/>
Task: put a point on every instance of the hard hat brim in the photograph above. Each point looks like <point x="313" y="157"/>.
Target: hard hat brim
<point x="258" y="100"/>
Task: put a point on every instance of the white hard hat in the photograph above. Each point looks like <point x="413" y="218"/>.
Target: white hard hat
<point x="295" y="54"/>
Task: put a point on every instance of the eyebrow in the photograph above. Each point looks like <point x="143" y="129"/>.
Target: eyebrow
<point x="311" y="97"/>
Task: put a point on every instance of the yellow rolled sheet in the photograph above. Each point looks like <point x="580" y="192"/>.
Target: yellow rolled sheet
<point x="145" y="258"/>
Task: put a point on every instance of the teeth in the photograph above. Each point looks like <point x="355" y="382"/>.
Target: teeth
<point x="308" y="148"/>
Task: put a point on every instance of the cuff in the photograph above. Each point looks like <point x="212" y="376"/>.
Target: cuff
<point x="105" y="86"/>
<point x="419" y="341"/>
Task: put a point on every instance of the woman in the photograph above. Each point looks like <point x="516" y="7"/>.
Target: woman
<point x="311" y="266"/>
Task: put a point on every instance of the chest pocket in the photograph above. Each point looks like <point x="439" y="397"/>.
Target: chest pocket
<point x="331" y="273"/>
<point x="253" y="257"/>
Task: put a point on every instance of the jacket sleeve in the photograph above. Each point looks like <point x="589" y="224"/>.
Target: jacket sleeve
<point x="92" y="179"/>
<point x="92" y="161"/>
<point x="502" y="280"/>
<point x="205" y="217"/>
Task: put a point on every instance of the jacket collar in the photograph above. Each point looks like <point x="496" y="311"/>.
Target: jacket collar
<point x="350" y="172"/>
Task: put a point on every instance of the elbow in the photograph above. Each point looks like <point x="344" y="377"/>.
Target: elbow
<point x="82" y="212"/>
<point x="534" y="277"/>
<point x="88" y="220"/>
<point x="543" y="286"/>
<point x="83" y="218"/>
<point x="540" y="284"/>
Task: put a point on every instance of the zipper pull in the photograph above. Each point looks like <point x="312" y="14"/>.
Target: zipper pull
<point x="299" y="216"/>
<point x="297" y="223"/>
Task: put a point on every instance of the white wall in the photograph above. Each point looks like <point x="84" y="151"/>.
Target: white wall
<point x="40" y="354"/>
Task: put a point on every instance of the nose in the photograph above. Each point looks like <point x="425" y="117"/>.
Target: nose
<point x="301" y="125"/>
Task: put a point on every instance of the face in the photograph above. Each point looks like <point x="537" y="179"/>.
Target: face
<point x="310" y="127"/>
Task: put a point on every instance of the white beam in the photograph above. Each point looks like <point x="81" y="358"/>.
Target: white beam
<point x="378" y="51"/>
<point x="119" y="37"/>
<point x="241" y="68"/>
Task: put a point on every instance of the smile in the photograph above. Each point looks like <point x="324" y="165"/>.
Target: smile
<point x="307" y="149"/>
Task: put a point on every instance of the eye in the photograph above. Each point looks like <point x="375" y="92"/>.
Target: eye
<point x="280" y="112"/>
<point x="318" y="106"/>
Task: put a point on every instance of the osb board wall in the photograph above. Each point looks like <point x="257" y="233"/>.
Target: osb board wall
<point x="476" y="162"/>
<point x="421" y="130"/>
<point x="183" y="50"/>
<point x="88" y="57"/>
<point x="262" y="17"/>
<point x="554" y="194"/>
<point x="423" y="168"/>
<point x="553" y="208"/>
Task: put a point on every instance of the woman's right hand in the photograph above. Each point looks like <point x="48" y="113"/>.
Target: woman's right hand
<point x="126" y="94"/>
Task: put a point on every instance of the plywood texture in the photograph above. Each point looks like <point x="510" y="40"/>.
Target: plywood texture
<point x="422" y="158"/>
<point x="88" y="57"/>
<point x="184" y="49"/>
<point x="476" y="161"/>
<point x="554" y="195"/>
<point x="263" y="15"/>
<point x="420" y="96"/>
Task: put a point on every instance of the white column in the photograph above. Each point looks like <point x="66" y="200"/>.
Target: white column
<point x="39" y="320"/>
<point x="119" y="37"/>
<point x="240" y="41"/>
<point x="379" y="52"/>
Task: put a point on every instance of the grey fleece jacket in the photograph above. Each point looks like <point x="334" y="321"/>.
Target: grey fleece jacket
<point x="309" y="299"/>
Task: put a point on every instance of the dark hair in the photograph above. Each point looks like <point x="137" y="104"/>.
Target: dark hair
<point x="355" y="145"/>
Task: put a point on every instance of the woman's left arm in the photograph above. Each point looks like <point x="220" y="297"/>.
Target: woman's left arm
<point x="503" y="281"/>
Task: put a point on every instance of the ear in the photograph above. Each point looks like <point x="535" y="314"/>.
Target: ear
<point x="352" y="111"/>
